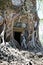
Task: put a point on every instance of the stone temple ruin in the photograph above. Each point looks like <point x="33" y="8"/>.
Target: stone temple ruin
<point x="21" y="23"/>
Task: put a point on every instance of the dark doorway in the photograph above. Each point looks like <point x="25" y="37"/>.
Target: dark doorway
<point x="17" y="36"/>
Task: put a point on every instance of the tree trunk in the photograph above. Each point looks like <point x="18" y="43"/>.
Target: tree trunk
<point x="28" y="9"/>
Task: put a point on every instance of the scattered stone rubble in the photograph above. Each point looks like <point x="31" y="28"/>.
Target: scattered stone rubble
<point x="14" y="56"/>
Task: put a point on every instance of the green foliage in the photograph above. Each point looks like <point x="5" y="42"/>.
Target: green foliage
<point x="4" y="3"/>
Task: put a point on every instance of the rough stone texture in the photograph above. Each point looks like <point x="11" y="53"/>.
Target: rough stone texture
<point x="25" y="14"/>
<point x="11" y="56"/>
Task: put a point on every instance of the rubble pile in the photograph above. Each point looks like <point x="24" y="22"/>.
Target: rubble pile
<point x="5" y="54"/>
<point x="9" y="55"/>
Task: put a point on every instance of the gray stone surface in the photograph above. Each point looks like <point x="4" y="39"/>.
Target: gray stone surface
<point x="12" y="56"/>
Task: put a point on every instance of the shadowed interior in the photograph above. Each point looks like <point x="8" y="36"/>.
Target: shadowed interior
<point x="17" y="36"/>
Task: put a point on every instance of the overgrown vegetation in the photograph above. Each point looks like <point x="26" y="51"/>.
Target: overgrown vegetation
<point x="4" y="4"/>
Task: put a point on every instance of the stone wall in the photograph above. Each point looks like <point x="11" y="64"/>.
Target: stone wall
<point x="26" y="13"/>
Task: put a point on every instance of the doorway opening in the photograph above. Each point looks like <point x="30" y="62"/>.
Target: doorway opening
<point x="17" y="37"/>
